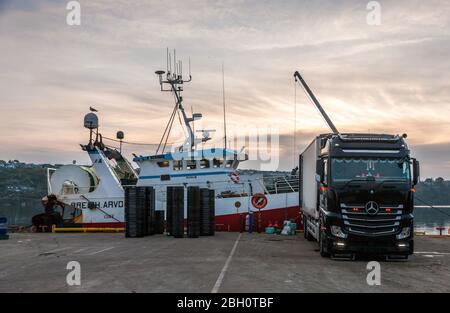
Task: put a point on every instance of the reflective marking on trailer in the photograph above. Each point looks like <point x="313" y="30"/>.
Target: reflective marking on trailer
<point x="225" y="267"/>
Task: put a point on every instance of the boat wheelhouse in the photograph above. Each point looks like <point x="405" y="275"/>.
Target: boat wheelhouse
<point x="199" y="165"/>
<point x="213" y="168"/>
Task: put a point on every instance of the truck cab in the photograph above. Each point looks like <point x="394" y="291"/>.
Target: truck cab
<point x="357" y="194"/>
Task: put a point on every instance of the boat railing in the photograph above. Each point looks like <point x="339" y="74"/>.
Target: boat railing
<point x="281" y="184"/>
<point x="267" y="184"/>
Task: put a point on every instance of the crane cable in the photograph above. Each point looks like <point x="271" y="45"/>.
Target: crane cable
<point x="126" y="142"/>
<point x="131" y="143"/>
<point x="169" y="124"/>
<point x="169" y="130"/>
<point x="295" y="120"/>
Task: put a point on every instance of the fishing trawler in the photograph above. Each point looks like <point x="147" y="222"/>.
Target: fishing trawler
<point x="273" y="199"/>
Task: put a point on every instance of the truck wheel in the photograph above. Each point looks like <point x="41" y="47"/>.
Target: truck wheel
<point x="304" y="227"/>
<point x="306" y="233"/>
<point x="323" y="245"/>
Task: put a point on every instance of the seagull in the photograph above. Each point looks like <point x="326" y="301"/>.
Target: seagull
<point x="92" y="109"/>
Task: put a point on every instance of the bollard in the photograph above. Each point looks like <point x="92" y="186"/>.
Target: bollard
<point x="440" y="230"/>
<point x="250" y="222"/>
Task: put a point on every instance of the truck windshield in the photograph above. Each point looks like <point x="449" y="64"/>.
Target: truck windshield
<point x="345" y="169"/>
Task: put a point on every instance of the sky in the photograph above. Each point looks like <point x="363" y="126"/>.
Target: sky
<point x="389" y="78"/>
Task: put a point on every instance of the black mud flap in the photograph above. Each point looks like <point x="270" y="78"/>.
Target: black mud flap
<point x="396" y="258"/>
<point x="343" y="256"/>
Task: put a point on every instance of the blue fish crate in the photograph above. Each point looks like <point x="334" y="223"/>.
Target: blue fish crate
<point x="270" y="230"/>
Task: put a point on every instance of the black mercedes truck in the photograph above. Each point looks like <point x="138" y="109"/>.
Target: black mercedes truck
<point x="357" y="194"/>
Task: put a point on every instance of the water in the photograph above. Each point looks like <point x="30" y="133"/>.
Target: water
<point x="427" y="219"/>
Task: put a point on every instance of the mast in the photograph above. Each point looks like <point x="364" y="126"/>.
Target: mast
<point x="174" y="78"/>
<point x="224" y="111"/>
<point x="298" y="77"/>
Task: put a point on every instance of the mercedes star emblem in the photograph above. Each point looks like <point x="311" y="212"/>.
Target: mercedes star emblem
<point x="372" y="208"/>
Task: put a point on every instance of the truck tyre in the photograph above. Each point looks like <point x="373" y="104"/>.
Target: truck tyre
<point x="323" y="245"/>
<point x="304" y="226"/>
<point x="307" y="235"/>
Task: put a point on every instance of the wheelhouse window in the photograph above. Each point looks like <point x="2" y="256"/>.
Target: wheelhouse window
<point x="217" y="163"/>
<point x="191" y="164"/>
<point x="204" y="163"/>
<point x="380" y="169"/>
<point x="163" y="163"/>
<point x="177" y="165"/>
<point x="229" y="163"/>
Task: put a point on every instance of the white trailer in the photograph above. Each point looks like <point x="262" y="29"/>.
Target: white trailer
<point x="309" y="186"/>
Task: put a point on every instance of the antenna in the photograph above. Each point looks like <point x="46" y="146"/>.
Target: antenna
<point x="175" y="61"/>
<point x="174" y="81"/>
<point x="189" y="66"/>
<point x="224" y="111"/>
<point x="167" y="60"/>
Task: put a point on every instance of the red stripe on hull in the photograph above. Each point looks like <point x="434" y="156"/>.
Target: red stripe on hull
<point x="236" y="222"/>
<point x="104" y="225"/>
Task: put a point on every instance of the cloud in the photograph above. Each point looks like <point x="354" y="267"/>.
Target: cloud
<point x="389" y="78"/>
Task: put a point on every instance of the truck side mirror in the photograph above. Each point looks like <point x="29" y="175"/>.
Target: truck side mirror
<point x="319" y="169"/>
<point x="416" y="172"/>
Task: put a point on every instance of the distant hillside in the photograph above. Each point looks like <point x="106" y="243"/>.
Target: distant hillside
<point x="21" y="189"/>
<point x="435" y="192"/>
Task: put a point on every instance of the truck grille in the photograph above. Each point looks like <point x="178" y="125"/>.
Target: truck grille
<point x="358" y="221"/>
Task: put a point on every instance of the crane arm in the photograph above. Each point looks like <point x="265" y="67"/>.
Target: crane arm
<point x="299" y="78"/>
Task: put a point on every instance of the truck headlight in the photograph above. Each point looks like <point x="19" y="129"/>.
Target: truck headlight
<point x="406" y="232"/>
<point x="337" y="232"/>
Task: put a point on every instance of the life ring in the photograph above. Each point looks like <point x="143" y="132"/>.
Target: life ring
<point x="235" y="178"/>
<point x="259" y="201"/>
